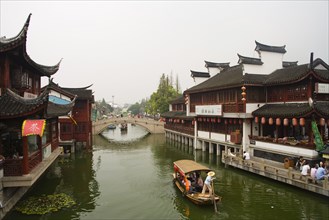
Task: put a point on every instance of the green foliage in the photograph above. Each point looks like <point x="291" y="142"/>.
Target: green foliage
<point x="137" y="108"/>
<point x="103" y="108"/>
<point x="45" y="204"/>
<point x="159" y="100"/>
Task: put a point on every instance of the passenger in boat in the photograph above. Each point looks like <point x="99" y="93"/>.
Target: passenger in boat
<point x="207" y="183"/>
<point x="199" y="183"/>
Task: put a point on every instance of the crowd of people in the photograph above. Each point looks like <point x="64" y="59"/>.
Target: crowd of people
<point x="317" y="171"/>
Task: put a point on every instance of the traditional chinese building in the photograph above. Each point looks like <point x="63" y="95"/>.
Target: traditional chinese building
<point x="28" y="117"/>
<point x="81" y="130"/>
<point x="270" y="107"/>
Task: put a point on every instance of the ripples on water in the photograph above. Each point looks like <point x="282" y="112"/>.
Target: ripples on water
<point x="133" y="181"/>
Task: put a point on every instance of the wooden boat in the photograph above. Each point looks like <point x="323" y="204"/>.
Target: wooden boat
<point x="123" y="127"/>
<point x="112" y="126"/>
<point x="185" y="168"/>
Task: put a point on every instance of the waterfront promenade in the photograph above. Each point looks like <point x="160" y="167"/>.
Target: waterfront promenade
<point x="277" y="171"/>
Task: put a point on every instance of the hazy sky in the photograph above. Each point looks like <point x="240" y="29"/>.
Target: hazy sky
<point x="123" y="47"/>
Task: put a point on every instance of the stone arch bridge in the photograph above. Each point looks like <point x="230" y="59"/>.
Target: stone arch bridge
<point x="152" y="126"/>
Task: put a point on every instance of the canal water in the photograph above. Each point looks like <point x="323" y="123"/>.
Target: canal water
<point x="132" y="180"/>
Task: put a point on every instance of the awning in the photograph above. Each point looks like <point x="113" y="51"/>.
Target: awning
<point x="33" y="127"/>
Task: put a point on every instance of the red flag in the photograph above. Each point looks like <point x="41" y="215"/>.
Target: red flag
<point x="33" y="127"/>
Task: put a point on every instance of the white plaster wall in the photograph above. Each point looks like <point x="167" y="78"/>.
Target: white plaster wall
<point x="246" y="131"/>
<point x="213" y="71"/>
<point x="203" y="134"/>
<point x="253" y="106"/>
<point x="198" y="80"/>
<point x="219" y="137"/>
<point x="271" y="62"/>
<point x="46" y="151"/>
<point x="284" y="149"/>
<point x="57" y="94"/>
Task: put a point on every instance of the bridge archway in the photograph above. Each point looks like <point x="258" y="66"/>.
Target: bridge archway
<point x="152" y="126"/>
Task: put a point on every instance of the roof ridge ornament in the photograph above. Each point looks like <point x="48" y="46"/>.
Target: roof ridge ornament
<point x="268" y="48"/>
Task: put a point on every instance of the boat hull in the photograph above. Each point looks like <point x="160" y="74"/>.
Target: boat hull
<point x="196" y="198"/>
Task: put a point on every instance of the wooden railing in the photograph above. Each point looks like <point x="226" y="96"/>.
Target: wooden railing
<point x="14" y="167"/>
<point x="180" y="128"/>
<point x="34" y="160"/>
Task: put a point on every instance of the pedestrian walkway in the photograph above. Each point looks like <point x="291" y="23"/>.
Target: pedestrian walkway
<point x="278" y="172"/>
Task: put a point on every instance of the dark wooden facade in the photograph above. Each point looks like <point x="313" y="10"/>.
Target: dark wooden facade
<point x="21" y="99"/>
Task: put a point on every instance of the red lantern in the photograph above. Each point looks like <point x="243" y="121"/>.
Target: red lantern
<point x="256" y="119"/>
<point x="225" y="121"/>
<point x="218" y="120"/>
<point x="294" y="121"/>
<point x="263" y="120"/>
<point x="230" y="121"/>
<point x="286" y="122"/>
<point x="234" y="121"/>
<point x="193" y="122"/>
<point x="270" y="121"/>
<point x="182" y="121"/>
<point x="322" y="121"/>
<point x="278" y="121"/>
<point x="302" y="121"/>
<point x="240" y="121"/>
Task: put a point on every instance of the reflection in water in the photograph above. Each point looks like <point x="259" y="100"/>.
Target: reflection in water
<point x="133" y="180"/>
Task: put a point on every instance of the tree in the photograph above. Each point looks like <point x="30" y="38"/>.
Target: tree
<point x="159" y="100"/>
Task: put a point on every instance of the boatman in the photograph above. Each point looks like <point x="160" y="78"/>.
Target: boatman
<point x="207" y="183"/>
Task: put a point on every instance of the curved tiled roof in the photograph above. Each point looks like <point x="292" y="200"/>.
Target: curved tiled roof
<point x="275" y="49"/>
<point x="252" y="79"/>
<point x="54" y="110"/>
<point x="44" y="70"/>
<point x="287" y="75"/>
<point x="286" y="110"/>
<point x="286" y="64"/>
<point x="322" y="108"/>
<point x="249" y="60"/>
<point x="82" y="93"/>
<point x="10" y="43"/>
<point x="19" y="41"/>
<point x="229" y="77"/>
<point x="176" y="114"/>
<point x="13" y="105"/>
<point x="178" y="100"/>
<point x="199" y="74"/>
<point x="212" y="64"/>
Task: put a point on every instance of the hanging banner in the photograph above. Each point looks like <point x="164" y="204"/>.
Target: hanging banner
<point x="317" y="137"/>
<point x="33" y="127"/>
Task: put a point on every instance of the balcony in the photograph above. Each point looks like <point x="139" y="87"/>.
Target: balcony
<point x="13" y="169"/>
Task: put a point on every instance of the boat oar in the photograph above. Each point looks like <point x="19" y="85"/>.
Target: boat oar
<point x="213" y="196"/>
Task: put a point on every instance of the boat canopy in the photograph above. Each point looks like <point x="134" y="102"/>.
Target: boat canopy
<point x="187" y="166"/>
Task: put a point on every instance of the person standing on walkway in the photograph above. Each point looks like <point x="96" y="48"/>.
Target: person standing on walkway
<point x="313" y="171"/>
<point x="305" y="169"/>
<point x="246" y="155"/>
<point x="321" y="173"/>
<point x="207" y="183"/>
